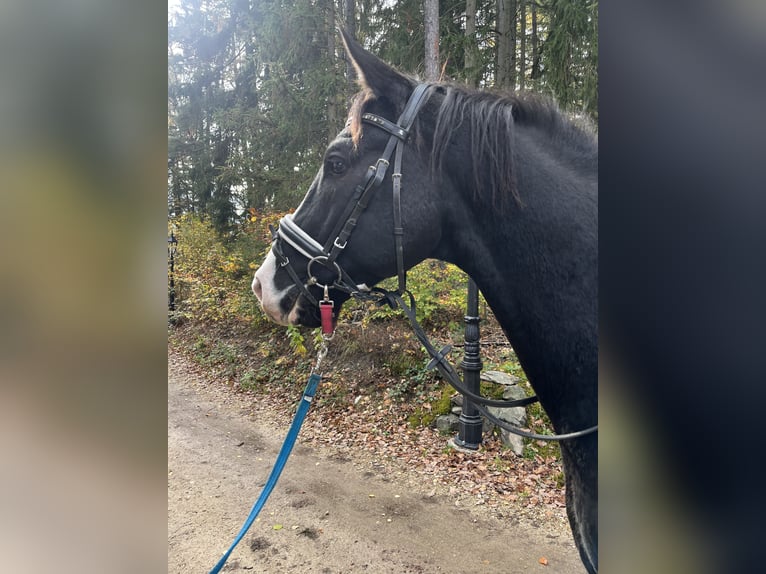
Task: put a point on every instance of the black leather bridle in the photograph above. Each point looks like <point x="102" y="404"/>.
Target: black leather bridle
<point x="326" y="255"/>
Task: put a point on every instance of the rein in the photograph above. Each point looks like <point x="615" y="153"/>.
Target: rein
<point x="291" y="233"/>
<point x="439" y="361"/>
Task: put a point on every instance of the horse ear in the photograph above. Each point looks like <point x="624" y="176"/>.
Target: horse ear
<point x="375" y="75"/>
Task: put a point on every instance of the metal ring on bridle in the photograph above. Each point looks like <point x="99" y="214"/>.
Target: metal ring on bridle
<point x="323" y="260"/>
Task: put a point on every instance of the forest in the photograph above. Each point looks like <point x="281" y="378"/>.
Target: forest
<point x="257" y="88"/>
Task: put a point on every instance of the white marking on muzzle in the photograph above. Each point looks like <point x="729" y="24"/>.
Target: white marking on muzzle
<point x="269" y="296"/>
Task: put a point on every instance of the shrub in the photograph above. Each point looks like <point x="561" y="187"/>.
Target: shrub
<point x="213" y="273"/>
<point x="439" y="289"/>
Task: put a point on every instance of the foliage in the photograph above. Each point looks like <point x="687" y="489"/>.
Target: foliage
<point x="439" y="291"/>
<point x="411" y="377"/>
<point x="570" y="54"/>
<point x="212" y="276"/>
<point x="425" y="414"/>
<point x="256" y="89"/>
<point x="297" y="341"/>
<point x="246" y="105"/>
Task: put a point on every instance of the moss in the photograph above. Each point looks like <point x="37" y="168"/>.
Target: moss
<point x="425" y="416"/>
<point x="492" y="390"/>
<point x="443" y="405"/>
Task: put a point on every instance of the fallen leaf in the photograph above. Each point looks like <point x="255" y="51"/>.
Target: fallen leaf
<point x="543" y="560"/>
<point x="277" y="527"/>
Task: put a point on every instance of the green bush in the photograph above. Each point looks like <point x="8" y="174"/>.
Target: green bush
<point x="213" y="273"/>
<point x="440" y="293"/>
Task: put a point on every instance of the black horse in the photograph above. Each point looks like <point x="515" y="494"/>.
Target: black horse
<point x="506" y="188"/>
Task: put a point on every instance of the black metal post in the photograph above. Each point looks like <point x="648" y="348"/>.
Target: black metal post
<point x="469" y="430"/>
<point x="172" y="243"/>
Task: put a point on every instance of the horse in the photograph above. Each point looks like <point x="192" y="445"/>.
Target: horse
<point x="502" y="185"/>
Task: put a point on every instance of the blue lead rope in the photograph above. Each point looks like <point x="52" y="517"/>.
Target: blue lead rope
<point x="287" y="447"/>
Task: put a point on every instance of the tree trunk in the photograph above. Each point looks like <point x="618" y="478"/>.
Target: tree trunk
<point x="431" y="13"/>
<point x="471" y="60"/>
<point x="512" y="44"/>
<point x="523" y="43"/>
<point x="535" y="70"/>
<point x="503" y="56"/>
<point x="349" y="18"/>
<point x="332" y="99"/>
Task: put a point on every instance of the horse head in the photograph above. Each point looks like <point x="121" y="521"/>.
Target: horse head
<point x="344" y="230"/>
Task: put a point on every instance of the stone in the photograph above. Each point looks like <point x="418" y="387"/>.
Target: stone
<point x="447" y="423"/>
<point x="514" y="441"/>
<point x="516" y="416"/>
<point x="514" y="392"/>
<point x="499" y="378"/>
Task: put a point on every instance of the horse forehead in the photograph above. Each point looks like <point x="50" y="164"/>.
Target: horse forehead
<point x="307" y="199"/>
<point x="344" y="135"/>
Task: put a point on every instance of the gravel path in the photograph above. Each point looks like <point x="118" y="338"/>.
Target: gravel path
<point x="330" y="513"/>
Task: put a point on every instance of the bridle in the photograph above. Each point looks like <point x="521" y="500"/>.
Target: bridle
<point x="326" y="255"/>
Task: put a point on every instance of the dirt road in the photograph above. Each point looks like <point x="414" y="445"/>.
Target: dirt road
<point x="327" y="514"/>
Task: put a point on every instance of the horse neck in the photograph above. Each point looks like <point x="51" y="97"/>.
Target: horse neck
<point x="536" y="265"/>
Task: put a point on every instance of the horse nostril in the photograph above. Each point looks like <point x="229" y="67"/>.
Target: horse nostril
<point x="257" y="288"/>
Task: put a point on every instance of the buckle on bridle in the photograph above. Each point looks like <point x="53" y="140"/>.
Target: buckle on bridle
<point x="338" y="245"/>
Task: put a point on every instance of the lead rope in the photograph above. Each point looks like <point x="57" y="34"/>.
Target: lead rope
<point x="287" y="447"/>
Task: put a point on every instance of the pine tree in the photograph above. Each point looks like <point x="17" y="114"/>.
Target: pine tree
<point x="255" y="88"/>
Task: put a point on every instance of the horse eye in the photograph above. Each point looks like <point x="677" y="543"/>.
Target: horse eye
<point x="337" y="166"/>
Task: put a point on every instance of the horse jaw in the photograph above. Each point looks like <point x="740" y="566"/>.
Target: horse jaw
<point x="270" y="297"/>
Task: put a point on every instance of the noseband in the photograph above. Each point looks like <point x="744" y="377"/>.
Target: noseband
<point x="326" y="255"/>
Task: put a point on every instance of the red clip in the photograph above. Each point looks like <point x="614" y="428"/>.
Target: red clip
<point x="328" y="321"/>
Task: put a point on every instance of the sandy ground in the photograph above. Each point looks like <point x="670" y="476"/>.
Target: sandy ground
<point x="327" y="514"/>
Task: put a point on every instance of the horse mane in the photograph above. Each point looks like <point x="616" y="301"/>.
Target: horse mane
<point x="490" y="118"/>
